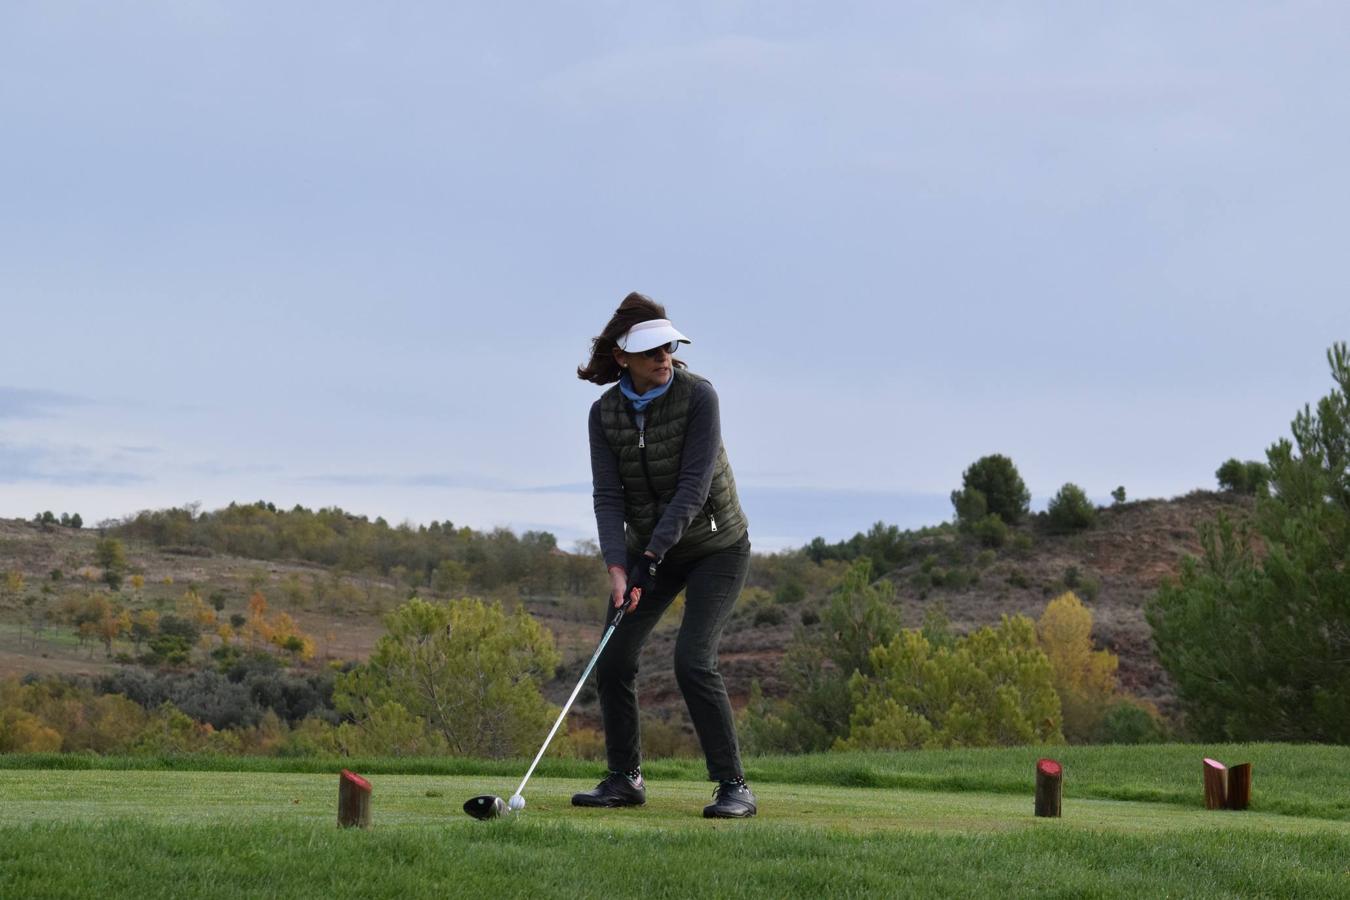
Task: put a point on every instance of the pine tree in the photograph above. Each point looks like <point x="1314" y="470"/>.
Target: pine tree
<point x="1259" y="643"/>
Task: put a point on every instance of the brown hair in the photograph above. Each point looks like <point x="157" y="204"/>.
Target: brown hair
<point x="635" y="308"/>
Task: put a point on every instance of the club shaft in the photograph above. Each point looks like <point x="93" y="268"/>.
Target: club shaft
<point x="568" y="705"/>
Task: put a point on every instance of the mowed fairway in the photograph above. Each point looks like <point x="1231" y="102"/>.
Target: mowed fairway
<point x="263" y="833"/>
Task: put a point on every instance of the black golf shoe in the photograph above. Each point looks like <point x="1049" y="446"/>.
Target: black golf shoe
<point x="731" y="800"/>
<point x="616" y="790"/>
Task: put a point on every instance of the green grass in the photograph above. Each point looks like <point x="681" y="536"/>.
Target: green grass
<point x="1302" y="780"/>
<point x="937" y="824"/>
<point x="157" y="833"/>
<point x="52" y="638"/>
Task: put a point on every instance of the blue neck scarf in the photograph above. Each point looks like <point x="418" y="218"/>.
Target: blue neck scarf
<point x="640" y="401"/>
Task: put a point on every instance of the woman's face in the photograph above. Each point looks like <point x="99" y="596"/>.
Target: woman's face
<point x="648" y="370"/>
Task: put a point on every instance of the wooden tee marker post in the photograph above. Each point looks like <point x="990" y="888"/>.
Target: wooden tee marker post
<point x="1227" y="788"/>
<point x="1049" y="785"/>
<point x="1216" y="784"/>
<point x="1240" y="786"/>
<point x="353" y="800"/>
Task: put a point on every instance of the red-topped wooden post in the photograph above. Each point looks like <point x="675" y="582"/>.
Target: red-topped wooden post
<point x="1216" y="784"/>
<point x="353" y="800"/>
<point x="1049" y="785"/>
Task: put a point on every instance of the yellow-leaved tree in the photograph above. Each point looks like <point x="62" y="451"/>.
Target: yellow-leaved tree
<point x="990" y="688"/>
<point x="286" y="635"/>
<point x="1084" y="678"/>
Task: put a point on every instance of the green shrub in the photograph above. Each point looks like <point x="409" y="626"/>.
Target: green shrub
<point x="112" y="557"/>
<point x="937" y="627"/>
<point x="752" y="602"/>
<point x="491" y="661"/>
<point x="762" y="607"/>
<point x="817" y="666"/>
<point x="1118" y="495"/>
<point x="666" y="739"/>
<point x="991" y="486"/>
<point x="990" y="531"/>
<point x="1130" y="722"/>
<point x="1070" y="510"/>
<point x="1243" y="477"/>
<point x="791" y="591"/>
<point x="971" y="506"/>
<point x="985" y="559"/>
<point x="957" y="578"/>
<point x="1018" y="579"/>
<point x="760" y="728"/>
<point x="167" y="649"/>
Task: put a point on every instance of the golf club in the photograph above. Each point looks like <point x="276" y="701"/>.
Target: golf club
<point x="489" y="806"/>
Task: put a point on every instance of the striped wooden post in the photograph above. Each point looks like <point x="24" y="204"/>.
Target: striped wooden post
<point x="353" y="800"/>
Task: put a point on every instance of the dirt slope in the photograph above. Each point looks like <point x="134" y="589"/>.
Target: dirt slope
<point x="1126" y="556"/>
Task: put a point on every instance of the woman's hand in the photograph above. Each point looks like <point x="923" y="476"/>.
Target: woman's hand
<point x="641" y="578"/>
<point x="618" y="585"/>
<point x="627" y="587"/>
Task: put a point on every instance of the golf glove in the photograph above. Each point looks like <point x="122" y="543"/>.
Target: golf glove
<point x="641" y="577"/>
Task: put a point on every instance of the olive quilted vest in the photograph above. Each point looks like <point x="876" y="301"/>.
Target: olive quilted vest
<point x="648" y="488"/>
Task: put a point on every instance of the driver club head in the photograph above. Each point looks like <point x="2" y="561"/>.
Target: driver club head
<point x="485" y="806"/>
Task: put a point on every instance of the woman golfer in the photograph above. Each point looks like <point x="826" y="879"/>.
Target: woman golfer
<point x="669" y="520"/>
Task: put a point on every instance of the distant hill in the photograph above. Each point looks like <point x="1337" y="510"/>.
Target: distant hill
<point x="1115" y="567"/>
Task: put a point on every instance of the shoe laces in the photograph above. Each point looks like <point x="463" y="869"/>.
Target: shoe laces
<point x="727" y="786"/>
<point x="632" y="779"/>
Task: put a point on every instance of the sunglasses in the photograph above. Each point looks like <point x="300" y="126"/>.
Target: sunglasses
<point x="664" y="348"/>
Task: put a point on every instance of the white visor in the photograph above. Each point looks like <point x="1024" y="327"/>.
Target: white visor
<point x="653" y="333"/>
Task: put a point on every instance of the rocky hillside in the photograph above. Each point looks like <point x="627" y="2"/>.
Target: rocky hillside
<point x="1115" y="567"/>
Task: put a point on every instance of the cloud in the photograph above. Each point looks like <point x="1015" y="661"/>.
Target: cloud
<point x="650" y="75"/>
<point x="441" y="480"/>
<point x="795" y="515"/>
<point x="218" y="469"/>
<point x="391" y="479"/>
<point x="71" y="466"/>
<point x="24" y="403"/>
<point x="575" y="487"/>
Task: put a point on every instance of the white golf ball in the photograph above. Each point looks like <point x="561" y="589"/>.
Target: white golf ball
<point x="517" y="802"/>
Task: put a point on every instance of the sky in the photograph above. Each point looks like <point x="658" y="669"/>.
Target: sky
<point x="350" y="254"/>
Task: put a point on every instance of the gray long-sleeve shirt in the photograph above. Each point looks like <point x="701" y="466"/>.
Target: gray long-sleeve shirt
<point x="702" y="440"/>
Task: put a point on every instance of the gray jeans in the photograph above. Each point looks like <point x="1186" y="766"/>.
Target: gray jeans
<point x="711" y="585"/>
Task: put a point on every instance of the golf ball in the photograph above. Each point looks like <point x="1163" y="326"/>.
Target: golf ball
<point x="517" y="802"/>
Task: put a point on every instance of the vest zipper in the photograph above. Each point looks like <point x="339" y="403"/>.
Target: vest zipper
<point x="646" y="472"/>
<point x="708" y="511"/>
